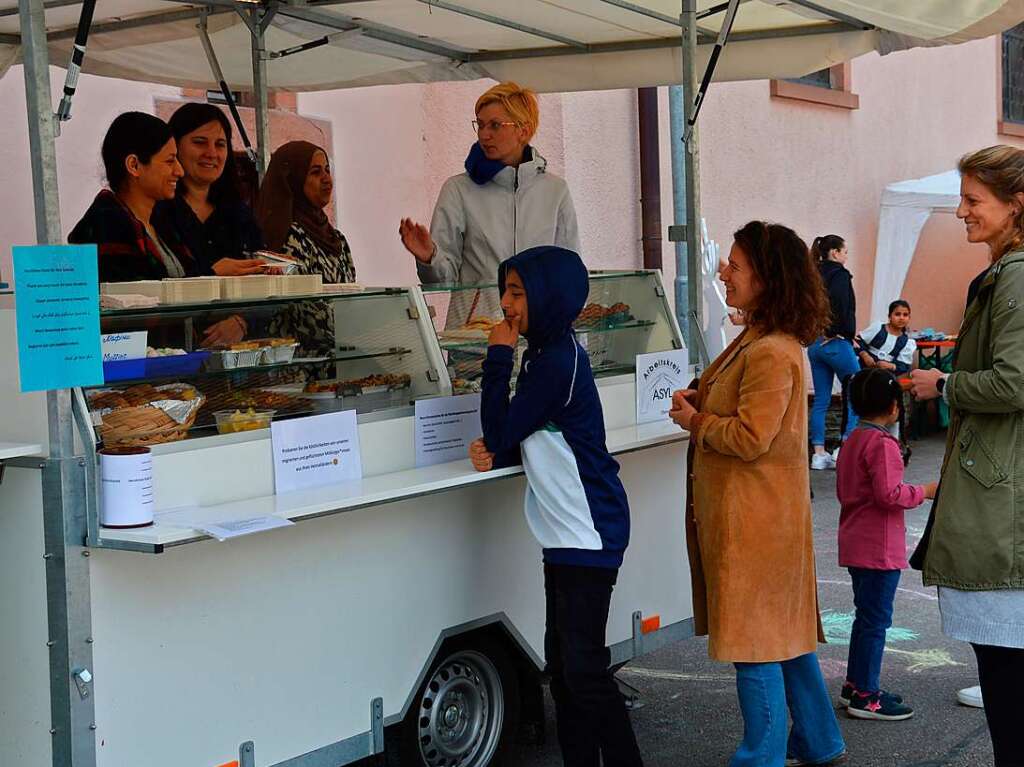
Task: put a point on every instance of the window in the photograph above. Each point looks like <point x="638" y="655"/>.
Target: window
<point x="1011" y="82"/>
<point x="820" y="79"/>
<point x="216" y="97"/>
<point x="831" y="87"/>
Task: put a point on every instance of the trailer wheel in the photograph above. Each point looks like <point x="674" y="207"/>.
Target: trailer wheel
<point x="466" y="712"/>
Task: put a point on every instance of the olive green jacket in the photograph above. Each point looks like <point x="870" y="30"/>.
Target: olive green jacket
<point x="977" y="539"/>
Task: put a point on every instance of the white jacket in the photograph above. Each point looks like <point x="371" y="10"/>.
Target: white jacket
<point x="476" y="227"/>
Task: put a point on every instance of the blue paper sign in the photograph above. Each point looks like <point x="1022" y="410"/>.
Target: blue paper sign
<point x="58" y="312"/>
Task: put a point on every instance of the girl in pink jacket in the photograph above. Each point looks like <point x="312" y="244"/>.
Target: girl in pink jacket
<point x="872" y="537"/>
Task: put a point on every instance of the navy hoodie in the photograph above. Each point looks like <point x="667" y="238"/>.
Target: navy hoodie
<point x="575" y="504"/>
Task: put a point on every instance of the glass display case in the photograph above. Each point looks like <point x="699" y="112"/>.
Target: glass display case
<point x="627" y="313"/>
<point x="367" y="351"/>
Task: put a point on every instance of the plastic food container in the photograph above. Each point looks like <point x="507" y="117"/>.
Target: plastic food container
<point x="191" y="290"/>
<point x="233" y="421"/>
<point x="277" y="355"/>
<point x="230" y="360"/>
<point x="298" y="284"/>
<point x="151" y="288"/>
<point x="250" y="286"/>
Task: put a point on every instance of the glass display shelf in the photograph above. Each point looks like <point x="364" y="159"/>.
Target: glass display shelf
<point x="341" y="356"/>
<point x="227" y="304"/>
<point x="596" y="276"/>
<point x="476" y="343"/>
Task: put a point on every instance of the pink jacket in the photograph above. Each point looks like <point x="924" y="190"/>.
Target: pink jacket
<point x="873" y="497"/>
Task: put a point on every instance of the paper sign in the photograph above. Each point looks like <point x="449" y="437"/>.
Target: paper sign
<point x="444" y="428"/>
<point x="235" y="528"/>
<point x="124" y="346"/>
<point x="58" y="313"/>
<point x="657" y="376"/>
<point x="314" y="451"/>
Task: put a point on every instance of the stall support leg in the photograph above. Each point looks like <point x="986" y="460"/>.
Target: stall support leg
<point x="259" y="22"/>
<point x="686" y="189"/>
<point x="69" y="617"/>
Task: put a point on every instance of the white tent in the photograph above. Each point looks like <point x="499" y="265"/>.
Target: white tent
<point x="906" y="206"/>
<point x="568" y="45"/>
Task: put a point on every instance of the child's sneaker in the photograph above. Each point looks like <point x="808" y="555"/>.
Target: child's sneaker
<point x="877" y="705"/>
<point x="848" y="690"/>
<point x="822" y="461"/>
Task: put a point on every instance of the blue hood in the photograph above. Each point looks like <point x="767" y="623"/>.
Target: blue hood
<point x="557" y="286"/>
<point x="482" y="170"/>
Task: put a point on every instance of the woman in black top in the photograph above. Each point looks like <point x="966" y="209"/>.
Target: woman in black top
<point x="207" y="211"/>
<point x="833" y="354"/>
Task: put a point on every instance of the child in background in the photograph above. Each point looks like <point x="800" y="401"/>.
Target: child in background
<point x="575" y="504"/>
<point x="872" y="537"/>
<point x="886" y="345"/>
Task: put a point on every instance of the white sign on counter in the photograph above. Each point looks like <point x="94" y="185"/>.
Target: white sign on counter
<point x="658" y="375"/>
<point x="124" y="346"/>
<point x="445" y="427"/>
<point x="315" y="451"/>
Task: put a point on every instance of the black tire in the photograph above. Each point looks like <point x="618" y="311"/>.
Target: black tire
<point x="466" y="713"/>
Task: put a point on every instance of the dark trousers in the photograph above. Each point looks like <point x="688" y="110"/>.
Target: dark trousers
<point x="1001" y="672"/>
<point x="589" y="709"/>
<point x="874" y="592"/>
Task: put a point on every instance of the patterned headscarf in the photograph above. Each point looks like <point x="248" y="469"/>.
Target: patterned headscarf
<point x="282" y="199"/>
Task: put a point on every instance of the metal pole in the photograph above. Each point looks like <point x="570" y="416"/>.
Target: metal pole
<point x="677" y="233"/>
<point x="691" y="177"/>
<point x="43" y="160"/>
<point x="259" y="90"/>
<point x="72" y="723"/>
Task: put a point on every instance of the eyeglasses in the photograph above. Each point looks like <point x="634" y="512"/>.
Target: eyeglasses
<point x="494" y="126"/>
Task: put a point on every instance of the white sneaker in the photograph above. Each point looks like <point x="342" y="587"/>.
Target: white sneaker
<point x="970" y="696"/>
<point x="822" y="461"/>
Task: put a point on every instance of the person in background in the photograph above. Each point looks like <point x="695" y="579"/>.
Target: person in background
<point x="506" y="202"/>
<point x="207" y="212"/>
<point x="575" y="503"/>
<point x="297" y="188"/>
<point x="832" y="355"/>
<point x="140" y="158"/>
<point x="873" y="537"/>
<point x="748" y="517"/>
<point x="971" y="546"/>
<point x="887" y="345"/>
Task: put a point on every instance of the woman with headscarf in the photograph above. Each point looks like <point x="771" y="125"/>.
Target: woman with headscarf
<point x="297" y="188"/>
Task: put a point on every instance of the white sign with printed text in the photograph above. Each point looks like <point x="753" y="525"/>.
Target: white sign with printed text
<point x="445" y="427"/>
<point x="316" y="451"/>
<point x="658" y="375"/>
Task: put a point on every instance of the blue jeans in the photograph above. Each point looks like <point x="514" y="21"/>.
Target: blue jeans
<point x="828" y="360"/>
<point x="873" y="594"/>
<point x="765" y="690"/>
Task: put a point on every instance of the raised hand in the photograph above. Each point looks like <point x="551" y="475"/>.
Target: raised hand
<point x="417" y="240"/>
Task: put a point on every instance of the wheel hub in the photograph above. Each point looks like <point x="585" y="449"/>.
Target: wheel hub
<point x="461" y="712"/>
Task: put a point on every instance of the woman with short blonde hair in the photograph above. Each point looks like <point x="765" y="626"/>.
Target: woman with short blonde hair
<point x="506" y="201"/>
<point x="972" y="548"/>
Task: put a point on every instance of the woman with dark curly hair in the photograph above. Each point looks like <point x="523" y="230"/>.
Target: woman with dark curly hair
<point x="749" y="504"/>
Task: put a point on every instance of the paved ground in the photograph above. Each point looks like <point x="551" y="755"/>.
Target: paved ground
<point x="690" y="716"/>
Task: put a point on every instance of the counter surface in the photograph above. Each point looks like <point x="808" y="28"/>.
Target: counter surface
<point x="174" y="527"/>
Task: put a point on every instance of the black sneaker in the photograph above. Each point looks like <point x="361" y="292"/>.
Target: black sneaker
<point x="848" y="689"/>
<point x="877" y="706"/>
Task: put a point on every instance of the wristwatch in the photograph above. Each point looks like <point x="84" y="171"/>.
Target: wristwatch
<point x="940" y="385"/>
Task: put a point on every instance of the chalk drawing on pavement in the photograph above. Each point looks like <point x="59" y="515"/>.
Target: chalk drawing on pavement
<point x="923" y="660"/>
<point x="838" y="627"/>
<point x="653" y="673"/>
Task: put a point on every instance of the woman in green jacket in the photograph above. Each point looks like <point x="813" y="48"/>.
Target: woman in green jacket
<point x="973" y="549"/>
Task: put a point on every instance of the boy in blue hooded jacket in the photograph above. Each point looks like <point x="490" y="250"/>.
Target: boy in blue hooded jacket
<point x="575" y="504"/>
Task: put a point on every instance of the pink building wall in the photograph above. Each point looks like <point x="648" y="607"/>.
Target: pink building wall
<point x="817" y="168"/>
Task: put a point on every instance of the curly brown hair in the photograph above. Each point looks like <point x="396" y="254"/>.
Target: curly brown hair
<point x="793" y="299"/>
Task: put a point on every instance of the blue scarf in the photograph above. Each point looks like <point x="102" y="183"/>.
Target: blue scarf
<point x="482" y="170"/>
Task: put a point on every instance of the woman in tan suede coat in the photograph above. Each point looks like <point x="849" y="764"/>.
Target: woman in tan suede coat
<point x="749" y="517"/>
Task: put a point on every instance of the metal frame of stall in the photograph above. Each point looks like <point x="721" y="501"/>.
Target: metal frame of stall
<point x="68" y="481"/>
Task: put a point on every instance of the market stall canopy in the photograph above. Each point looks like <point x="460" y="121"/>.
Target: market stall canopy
<point x="566" y="46"/>
<point x="906" y="206"/>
